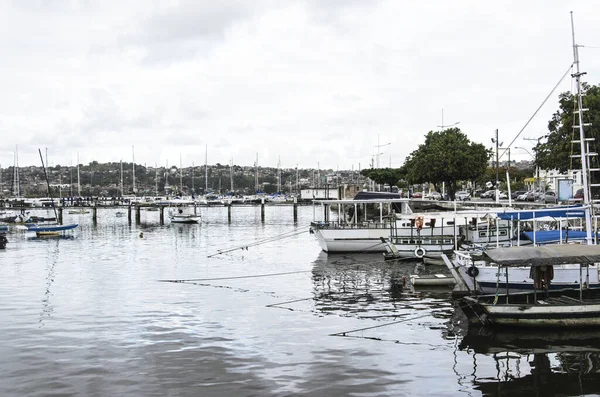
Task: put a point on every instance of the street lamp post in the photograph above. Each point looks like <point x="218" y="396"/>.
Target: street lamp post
<point x="444" y="126"/>
<point x="498" y="144"/>
<point x="378" y="146"/>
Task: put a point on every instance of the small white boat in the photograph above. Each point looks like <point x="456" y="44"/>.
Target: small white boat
<point x="432" y="280"/>
<point x="180" y="217"/>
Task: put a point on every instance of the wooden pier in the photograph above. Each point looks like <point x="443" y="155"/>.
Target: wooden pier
<point x="134" y="209"/>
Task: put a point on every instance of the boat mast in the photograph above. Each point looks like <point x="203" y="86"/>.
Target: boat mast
<point x="206" y="169"/>
<point x="231" y="174"/>
<point x="180" y="174"/>
<point x="582" y="140"/>
<point x="16" y="180"/>
<point x="133" y="165"/>
<point x="121" y="179"/>
<point x="156" y="180"/>
<point x="78" y="179"/>
<point x="48" y="183"/>
<point x="279" y="175"/>
<point x="256" y="175"/>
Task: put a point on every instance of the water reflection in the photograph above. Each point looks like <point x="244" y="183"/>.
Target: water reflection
<point x="545" y="362"/>
<point x="52" y="258"/>
<point x="366" y="286"/>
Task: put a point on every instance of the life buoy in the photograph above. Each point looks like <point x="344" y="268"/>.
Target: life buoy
<point x="473" y="271"/>
<point x="420" y="252"/>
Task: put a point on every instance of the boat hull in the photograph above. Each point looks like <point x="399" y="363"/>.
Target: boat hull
<point x="557" y="310"/>
<point x="50" y="228"/>
<point x="487" y="279"/>
<point x="185" y="219"/>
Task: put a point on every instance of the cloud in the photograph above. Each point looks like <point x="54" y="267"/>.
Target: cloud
<point x="308" y="81"/>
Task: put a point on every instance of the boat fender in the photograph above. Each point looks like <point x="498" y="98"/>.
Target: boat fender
<point x="473" y="271"/>
<point x="420" y="252"/>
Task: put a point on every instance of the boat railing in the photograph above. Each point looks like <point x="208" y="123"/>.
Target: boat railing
<point x="350" y="225"/>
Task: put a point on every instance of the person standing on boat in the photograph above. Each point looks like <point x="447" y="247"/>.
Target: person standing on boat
<point x="542" y="276"/>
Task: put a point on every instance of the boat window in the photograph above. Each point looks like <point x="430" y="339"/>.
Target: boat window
<point x="503" y="232"/>
<point x="482" y="234"/>
<point x="427" y="224"/>
<point x="450" y="223"/>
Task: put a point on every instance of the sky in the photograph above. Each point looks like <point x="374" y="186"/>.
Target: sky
<point x="315" y="84"/>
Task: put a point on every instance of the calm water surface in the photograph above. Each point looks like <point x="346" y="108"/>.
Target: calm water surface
<point x="100" y="315"/>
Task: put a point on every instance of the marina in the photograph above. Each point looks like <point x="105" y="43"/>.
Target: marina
<point x="386" y="254"/>
<point x="311" y="322"/>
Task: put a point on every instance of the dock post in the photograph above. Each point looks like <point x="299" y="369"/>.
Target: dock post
<point x="295" y="209"/>
<point x="229" y="212"/>
<point x="262" y="210"/>
<point x="195" y="209"/>
<point x="326" y="212"/>
<point x="60" y="217"/>
<point x="162" y="215"/>
<point x="129" y="213"/>
<point x="95" y="214"/>
<point x="138" y="215"/>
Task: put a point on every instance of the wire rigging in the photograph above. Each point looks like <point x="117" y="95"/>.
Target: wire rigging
<point x="537" y="110"/>
<point x="259" y="242"/>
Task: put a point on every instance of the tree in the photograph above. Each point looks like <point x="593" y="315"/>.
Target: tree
<point x="447" y="156"/>
<point x="555" y="152"/>
<point x="382" y="176"/>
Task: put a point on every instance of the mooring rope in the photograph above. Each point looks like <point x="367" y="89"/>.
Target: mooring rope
<point x="385" y="325"/>
<point x="234" y="277"/>
<point x="259" y="242"/>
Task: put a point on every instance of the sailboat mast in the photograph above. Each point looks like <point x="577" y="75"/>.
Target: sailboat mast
<point x="206" y="170"/>
<point x="16" y="180"/>
<point x="133" y="165"/>
<point x="256" y="175"/>
<point x="78" y="179"/>
<point x="48" y="183"/>
<point x="180" y="174"/>
<point x="582" y="139"/>
<point x="231" y="174"/>
<point x="121" y="179"/>
<point x="279" y="175"/>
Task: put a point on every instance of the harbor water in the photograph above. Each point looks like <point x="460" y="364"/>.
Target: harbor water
<point x="155" y="310"/>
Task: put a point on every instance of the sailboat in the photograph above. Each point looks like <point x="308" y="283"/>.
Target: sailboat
<point x="49" y="229"/>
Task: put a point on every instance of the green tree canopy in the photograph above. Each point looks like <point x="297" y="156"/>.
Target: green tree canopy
<point x="390" y="176"/>
<point x="555" y="152"/>
<point x="447" y="156"/>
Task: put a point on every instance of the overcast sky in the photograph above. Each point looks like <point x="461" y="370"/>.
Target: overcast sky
<point x="311" y="82"/>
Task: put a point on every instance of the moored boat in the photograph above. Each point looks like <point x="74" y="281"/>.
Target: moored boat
<point x="544" y="307"/>
<point x="180" y="217"/>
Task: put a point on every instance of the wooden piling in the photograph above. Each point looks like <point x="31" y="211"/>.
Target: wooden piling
<point x="162" y="215"/>
<point x="262" y="210"/>
<point x="129" y="213"/>
<point x="295" y="209"/>
<point x="229" y="212"/>
<point x="138" y="214"/>
<point x="95" y="214"/>
<point x="60" y="215"/>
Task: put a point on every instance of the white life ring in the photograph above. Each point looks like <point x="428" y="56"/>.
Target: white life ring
<point x="420" y="252"/>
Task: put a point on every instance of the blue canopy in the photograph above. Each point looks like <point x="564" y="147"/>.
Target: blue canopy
<point x="551" y="236"/>
<point x="574" y="211"/>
